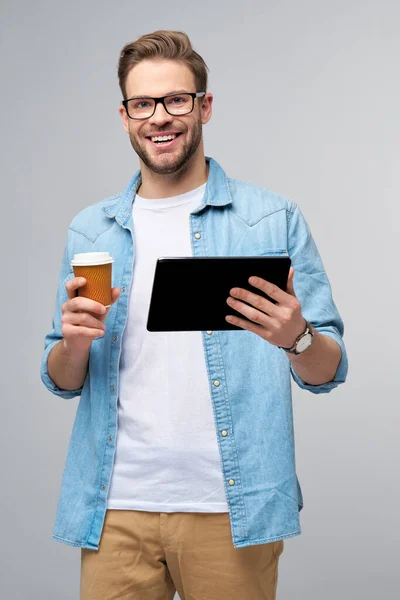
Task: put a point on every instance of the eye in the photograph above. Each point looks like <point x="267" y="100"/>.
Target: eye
<point x="141" y="104"/>
<point x="177" y="100"/>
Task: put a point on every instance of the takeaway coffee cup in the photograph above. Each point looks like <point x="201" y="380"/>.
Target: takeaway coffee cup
<point x="96" y="268"/>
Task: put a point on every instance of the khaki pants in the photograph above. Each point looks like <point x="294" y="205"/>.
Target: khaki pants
<point x="150" y="556"/>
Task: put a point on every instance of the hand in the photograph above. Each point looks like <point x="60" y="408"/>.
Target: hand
<point x="280" y="323"/>
<point x="83" y="319"/>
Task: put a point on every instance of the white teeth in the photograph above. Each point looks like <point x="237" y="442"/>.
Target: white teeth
<point x="163" y="138"/>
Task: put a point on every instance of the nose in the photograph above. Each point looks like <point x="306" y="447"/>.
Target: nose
<point x="160" y="116"/>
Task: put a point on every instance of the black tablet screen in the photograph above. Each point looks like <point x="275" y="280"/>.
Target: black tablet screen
<point x="190" y="293"/>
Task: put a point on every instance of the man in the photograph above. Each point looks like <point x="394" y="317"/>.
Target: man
<point x="181" y="469"/>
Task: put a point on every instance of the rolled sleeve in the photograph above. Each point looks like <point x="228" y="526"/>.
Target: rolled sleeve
<point x="313" y="290"/>
<point x="341" y="373"/>
<point x="48" y="382"/>
<point x="55" y="335"/>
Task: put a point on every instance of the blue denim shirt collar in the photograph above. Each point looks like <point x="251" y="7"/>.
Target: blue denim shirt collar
<point x="217" y="193"/>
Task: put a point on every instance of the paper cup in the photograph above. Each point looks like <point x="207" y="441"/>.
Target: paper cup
<point x="96" y="268"/>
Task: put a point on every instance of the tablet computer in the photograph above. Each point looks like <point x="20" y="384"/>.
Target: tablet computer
<point x="190" y="293"/>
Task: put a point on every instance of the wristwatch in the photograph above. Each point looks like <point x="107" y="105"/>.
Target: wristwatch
<point x="303" y="342"/>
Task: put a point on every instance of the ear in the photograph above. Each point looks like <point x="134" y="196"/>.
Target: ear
<point x="206" y="108"/>
<point x="124" y="117"/>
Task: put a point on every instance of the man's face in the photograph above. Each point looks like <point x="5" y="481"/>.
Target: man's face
<point x="154" y="79"/>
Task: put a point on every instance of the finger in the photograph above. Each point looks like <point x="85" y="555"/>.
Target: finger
<point x="289" y="285"/>
<point x="80" y="303"/>
<point x="248" y="325"/>
<point x="253" y="314"/>
<point x="255" y="300"/>
<point x="115" y="294"/>
<point x="72" y="332"/>
<point x="272" y="290"/>
<point x="82" y="319"/>
<point x="74" y="284"/>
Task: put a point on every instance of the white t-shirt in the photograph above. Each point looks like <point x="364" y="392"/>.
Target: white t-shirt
<point x="167" y="457"/>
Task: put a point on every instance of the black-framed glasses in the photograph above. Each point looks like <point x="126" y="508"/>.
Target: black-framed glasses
<point x="143" y="107"/>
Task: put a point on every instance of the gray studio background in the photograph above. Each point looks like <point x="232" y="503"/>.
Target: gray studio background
<point x="324" y="130"/>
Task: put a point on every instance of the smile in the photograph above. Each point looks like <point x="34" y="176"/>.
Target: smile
<point x="164" y="141"/>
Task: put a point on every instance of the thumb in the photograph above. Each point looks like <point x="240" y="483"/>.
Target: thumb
<point x="289" y="285"/>
<point x="115" y="294"/>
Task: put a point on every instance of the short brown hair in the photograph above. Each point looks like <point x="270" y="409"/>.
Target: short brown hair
<point x="162" y="44"/>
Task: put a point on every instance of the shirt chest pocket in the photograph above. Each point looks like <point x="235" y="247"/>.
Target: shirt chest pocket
<point x="273" y="252"/>
<point x="267" y="237"/>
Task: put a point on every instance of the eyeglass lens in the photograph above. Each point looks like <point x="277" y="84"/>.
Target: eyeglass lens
<point x="140" y="108"/>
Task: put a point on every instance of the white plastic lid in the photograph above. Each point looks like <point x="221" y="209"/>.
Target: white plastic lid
<point x="91" y="258"/>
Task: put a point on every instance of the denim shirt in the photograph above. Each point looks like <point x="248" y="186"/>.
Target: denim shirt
<point x="249" y="379"/>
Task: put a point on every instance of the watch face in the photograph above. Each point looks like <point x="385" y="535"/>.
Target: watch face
<point x="304" y="343"/>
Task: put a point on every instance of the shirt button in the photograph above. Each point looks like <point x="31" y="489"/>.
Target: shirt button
<point x="112" y="388"/>
<point x="209" y="332"/>
<point x="123" y="289"/>
<point x="115" y="338"/>
<point x="216" y="383"/>
<point x="197" y="236"/>
<point x="103" y="487"/>
<point x="231" y="482"/>
<point x="224" y="433"/>
<point x="109" y="438"/>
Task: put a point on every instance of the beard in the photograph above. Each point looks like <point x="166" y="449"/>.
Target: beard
<point x="169" y="162"/>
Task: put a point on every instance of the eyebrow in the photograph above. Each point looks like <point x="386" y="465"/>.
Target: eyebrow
<point x="169" y="94"/>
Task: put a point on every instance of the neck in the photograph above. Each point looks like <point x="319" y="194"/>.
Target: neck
<point x="190" y="176"/>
